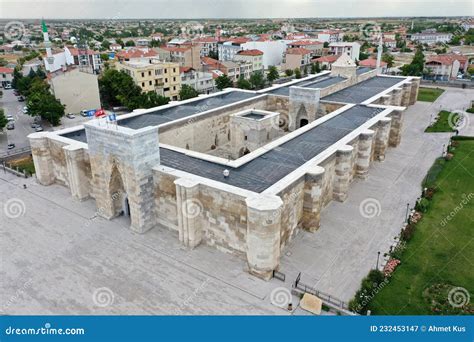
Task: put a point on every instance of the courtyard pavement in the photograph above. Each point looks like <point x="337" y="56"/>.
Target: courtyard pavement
<point x="58" y="257"/>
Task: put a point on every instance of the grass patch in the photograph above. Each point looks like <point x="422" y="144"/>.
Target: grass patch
<point x="444" y="123"/>
<point x="437" y="258"/>
<point x="429" y="94"/>
<point x="23" y="164"/>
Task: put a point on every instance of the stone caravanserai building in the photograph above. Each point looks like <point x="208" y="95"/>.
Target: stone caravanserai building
<point x="239" y="170"/>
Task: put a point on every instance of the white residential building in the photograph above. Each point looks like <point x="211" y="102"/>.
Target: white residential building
<point x="431" y="37"/>
<point x="352" y="49"/>
<point x="273" y="51"/>
<point x="330" y="36"/>
<point x="254" y="57"/>
<point x="203" y="82"/>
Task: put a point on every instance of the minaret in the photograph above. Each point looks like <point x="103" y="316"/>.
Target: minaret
<point x="379" y="53"/>
<point x="47" y="43"/>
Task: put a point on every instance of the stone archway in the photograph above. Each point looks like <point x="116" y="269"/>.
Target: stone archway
<point x="243" y="151"/>
<point x="302" y="117"/>
<point x="117" y="193"/>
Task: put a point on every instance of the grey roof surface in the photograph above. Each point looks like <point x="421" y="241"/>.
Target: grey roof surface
<point x="364" y="90"/>
<point x="317" y="82"/>
<point x="161" y="116"/>
<point x="260" y="173"/>
<point x="363" y="70"/>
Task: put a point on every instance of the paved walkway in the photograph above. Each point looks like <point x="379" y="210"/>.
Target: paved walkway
<point x="58" y="258"/>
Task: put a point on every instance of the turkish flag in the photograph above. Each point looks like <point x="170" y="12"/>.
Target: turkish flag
<point x="100" y="113"/>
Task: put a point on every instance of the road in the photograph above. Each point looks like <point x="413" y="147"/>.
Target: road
<point x="23" y="122"/>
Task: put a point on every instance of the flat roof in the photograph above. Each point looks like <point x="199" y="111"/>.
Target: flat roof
<point x="318" y="82"/>
<point x="364" y="90"/>
<point x="262" y="172"/>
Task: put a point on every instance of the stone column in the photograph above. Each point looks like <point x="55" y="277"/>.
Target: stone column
<point x="78" y="171"/>
<point x="397" y="97"/>
<point x="42" y="158"/>
<point x="406" y="94"/>
<point x="263" y="234"/>
<point x="312" y="201"/>
<point x="189" y="211"/>
<point x="343" y="171"/>
<point x="385" y="100"/>
<point x="395" y="128"/>
<point x="381" y="138"/>
<point x="415" y="85"/>
<point x="364" y="153"/>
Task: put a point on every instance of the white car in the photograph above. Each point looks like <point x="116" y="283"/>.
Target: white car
<point x="10" y="118"/>
<point x="25" y="110"/>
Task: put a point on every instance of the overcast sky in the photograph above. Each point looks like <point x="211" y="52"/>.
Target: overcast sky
<point x="97" y="9"/>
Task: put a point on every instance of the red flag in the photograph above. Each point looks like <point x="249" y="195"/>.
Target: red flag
<point x="99" y="113"/>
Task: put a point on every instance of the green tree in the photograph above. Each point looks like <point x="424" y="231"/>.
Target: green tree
<point x="297" y="73"/>
<point x="130" y="43"/>
<point x="145" y="100"/>
<point x="415" y="68"/>
<point x="388" y="58"/>
<point x="3" y="62"/>
<point x="242" y="83"/>
<point x="116" y="87"/>
<point x="326" y="44"/>
<point x="104" y="57"/>
<point x="42" y="103"/>
<point x="272" y="74"/>
<point x="223" y="82"/>
<point x="187" y="92"/>
<point x="3" y="119"/>
<point x="257" y="80"/>
<point x="213" y="54"/>
<point x="105" y="44"/>
<point x="289" y="72"/>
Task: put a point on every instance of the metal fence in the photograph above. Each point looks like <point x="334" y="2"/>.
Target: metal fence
<point x="15" y="152"/>
<point x="323" y="296"/>
<point x="279" y="275"/>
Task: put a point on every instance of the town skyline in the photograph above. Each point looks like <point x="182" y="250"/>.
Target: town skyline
<point x="234" y="9"/>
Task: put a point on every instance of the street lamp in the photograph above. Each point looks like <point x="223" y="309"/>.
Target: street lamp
<point x="406" y="214"/>
<point x="378" y="257"/>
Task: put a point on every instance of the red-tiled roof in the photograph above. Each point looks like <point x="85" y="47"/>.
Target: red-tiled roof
<point x="75" y="52"/>
<point x="253" y="52"/>
<point x="136" y="53"/>
<point x="4" y="70"/>
<point x="298" y="51"/>
<point x="176" y="49"/>
<point x="185" y="69"/>
<point x="327" y="59"/>
<point x="371" y="63"/>
<point x="304" y="43"/>
<point x="209" y="61"/>
<point x="205" y="40"/>
<point x="446" y="59"/>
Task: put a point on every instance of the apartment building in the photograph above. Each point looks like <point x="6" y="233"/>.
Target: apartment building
<point x="272" y="50"/>
<point x="431" y="37"/>
<point x="206" y="45"/>
<point x="352" y="49"/>
<point x="80" y="58"/>
<point x="6" y="76"/>
<point x="228" y="49"/>
<point x="330" y="36"/>
<point x="253" y="57"/>
<point x="185" y="55"/>
<point x="155" y="75"/>
<point x="202" y="81"/>
<point x="296" y="58"/>
<point x="315" y="46"/>
<point x="442" y="67"/>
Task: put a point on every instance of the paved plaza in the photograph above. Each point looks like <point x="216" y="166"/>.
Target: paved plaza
<point x="59" y="257"/>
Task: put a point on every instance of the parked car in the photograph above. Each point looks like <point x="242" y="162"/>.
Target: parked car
<point x="84" y="113"/>
<point x="11" y="125"/>
<point x="21" y="98"/>
<point x="37" y="119"/>
<point x="8" y="86"/>
<point x="70" y="116"/>
<point x="11" y="146"/>
<point x="39" y="129"/>
<point x="25" y="110"/>
<point x="34" y="125"/>
<point x="10" y="117"/>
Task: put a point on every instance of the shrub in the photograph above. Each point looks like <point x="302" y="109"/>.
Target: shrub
<point x="407" y="232"/>
<point x="366" y="292"/>
<point x="422" y="205"/>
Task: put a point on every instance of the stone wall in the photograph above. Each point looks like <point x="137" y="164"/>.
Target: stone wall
<point x="292" y="210"/>
<point x="205" y="133"/>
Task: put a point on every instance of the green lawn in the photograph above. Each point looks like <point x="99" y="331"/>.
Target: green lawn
<point x="440" y="255"/>
<point x="23" y="164"/>
<point x="429" y="94"/>
<point x="445" y="123"/>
